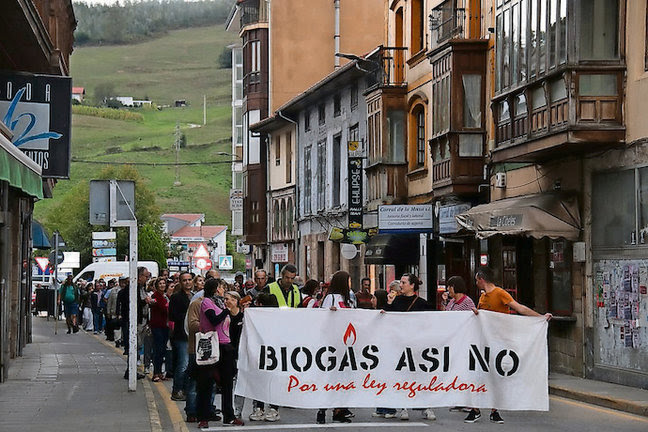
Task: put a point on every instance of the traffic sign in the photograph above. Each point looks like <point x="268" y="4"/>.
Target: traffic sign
<point x="59" y="258"/>
<point x="203" y="263"/>
<point x="225" y="262"/>
<point x="201" y="252"/>
<point x="43" y="262"/>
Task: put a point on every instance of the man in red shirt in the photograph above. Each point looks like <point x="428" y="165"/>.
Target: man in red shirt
<point x="495" y="299"/>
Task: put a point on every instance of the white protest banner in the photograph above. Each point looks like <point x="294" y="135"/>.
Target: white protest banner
<point x="318" y="358"/>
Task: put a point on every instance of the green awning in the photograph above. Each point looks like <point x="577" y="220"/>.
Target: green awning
<point x="19" y="176"/>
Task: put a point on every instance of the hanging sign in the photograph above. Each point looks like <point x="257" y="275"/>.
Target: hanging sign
<point x="37" y="110"/>
<point x="355" y="199"/>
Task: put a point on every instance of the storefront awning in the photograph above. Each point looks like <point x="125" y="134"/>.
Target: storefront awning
<point x="39" y="236"/>
<point x="20" y="171"/>
<point x="394" y="249"/>
<point x="552" y="214"/>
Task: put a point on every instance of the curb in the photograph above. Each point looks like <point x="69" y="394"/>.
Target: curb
<point x="630" y="406"/>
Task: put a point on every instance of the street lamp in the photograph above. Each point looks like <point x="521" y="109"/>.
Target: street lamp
<point x="357" y="59"/>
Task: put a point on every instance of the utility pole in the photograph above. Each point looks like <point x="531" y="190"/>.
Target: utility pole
<point x="177" y="155"/>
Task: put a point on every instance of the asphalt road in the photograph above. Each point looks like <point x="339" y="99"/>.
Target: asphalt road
<point x="564" y="415"/>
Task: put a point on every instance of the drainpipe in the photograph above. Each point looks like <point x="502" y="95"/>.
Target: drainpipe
<point x="336" y="37"/>
<point x="297" y="200"/>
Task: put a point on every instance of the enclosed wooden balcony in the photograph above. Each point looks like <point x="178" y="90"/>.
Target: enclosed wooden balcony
<point x="458" y="164"/>
<point x="573" y="111"/>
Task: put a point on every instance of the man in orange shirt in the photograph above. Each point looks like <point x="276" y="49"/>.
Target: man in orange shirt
<point x="495" y="299"/>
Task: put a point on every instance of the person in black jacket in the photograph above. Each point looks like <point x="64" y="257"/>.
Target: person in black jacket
<point x="178" y="305"/>
<point x="409" y="301"/>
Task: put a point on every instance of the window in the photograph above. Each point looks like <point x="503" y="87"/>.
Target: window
<point x="277" y="141"/>
<point x="396" y="127"/>
<point x="277" y="221"/>
<point x="418" y="26"/>
<point x="337" y="164"/>
<point x="337" y="105"/>
<point x="614" y="224"/>
<point x="290" y="217"/>
<point x="470" y="145"/>
<point x="255" y="61"/>
<point x="420" y="136"/>
<point x="597" y="85"/>
<point x="321" y="175"/>
<point x="307" y="116"/>
<point x="354" y="96"/>
<point x="353" y="133"/>
<point x="472" y="115"/>
<point x="321" y="114"/>
<point x="288" y="157"/>
<point x="308" y="178"/>
<point x="599" y="29"/>
<point x="282" y="227"/>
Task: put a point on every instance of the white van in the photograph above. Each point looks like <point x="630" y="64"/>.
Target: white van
<point x="114" y="269"/>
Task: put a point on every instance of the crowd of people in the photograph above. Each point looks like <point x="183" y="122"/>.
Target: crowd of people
<point x="172" y="309"/>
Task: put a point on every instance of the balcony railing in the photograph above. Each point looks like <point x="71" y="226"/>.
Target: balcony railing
<point x="254" y="11"/>
<point x="447" y="21"/>
<point x="389" y="67"/>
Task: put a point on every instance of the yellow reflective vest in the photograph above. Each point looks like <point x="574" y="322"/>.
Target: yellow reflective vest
<point x="294" y="296"/>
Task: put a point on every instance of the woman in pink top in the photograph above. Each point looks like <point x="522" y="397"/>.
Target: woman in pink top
<point x="213" y="318"/>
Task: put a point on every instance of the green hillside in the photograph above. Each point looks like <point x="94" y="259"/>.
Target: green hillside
<point x="181" y="65"/>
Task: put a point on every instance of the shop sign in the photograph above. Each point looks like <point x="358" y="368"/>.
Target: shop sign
<point x="505" y="221"/>
<point x="236" y="199"/>
<point x="355" y="192"/>
<point x="447" y="222"/>
<point x="37" y="110"/>
<point x="353" y="236"/>
<point x="406" y="218"/>
<point x="280" y="253"/>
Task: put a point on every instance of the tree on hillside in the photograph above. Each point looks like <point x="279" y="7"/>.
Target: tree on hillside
<point x="71" y="218"/>
<point x="103" y="92"/>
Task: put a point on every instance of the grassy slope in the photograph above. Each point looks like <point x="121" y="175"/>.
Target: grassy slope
<point x="181" y="65"/>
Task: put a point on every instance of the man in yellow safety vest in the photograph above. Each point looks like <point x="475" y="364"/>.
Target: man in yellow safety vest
<point x="286" y="292"/>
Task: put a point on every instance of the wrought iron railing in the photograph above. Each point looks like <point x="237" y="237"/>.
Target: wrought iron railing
<point x="254" y="11"/>
<point x="447" y="21"/>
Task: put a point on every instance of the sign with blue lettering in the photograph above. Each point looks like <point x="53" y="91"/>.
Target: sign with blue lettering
<point x="37" y="110"/>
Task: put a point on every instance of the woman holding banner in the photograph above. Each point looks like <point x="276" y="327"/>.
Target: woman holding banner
<point x="338" y="296"/>
<point x="409" y="301"/>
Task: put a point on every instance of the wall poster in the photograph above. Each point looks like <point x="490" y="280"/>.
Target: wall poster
<point x="621" y="313"/>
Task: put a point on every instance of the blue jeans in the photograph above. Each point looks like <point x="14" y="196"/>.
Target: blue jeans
<point x="181" y="360"/>
<point x="160" y="338"/>
<point x="98" y="318"/>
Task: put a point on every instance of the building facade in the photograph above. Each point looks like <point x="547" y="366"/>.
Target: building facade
<point x="35" y="38"/>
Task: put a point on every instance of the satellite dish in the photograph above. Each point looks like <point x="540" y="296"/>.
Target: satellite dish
<point x="349" y="251"/>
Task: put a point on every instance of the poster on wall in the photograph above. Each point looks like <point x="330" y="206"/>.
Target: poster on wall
<point x="37" y="111"/>
<point x="622" y="317"/>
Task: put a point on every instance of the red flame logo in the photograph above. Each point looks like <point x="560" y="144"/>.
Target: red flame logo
<point x="350" y="335"/>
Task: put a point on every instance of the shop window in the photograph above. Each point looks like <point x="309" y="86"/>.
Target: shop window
<point x="560" y="294"/>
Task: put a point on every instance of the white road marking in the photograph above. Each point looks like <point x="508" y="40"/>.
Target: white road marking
<point x="267" y="426"/>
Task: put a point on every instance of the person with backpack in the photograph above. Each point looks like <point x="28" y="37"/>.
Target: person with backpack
<point x="69" y="296"/>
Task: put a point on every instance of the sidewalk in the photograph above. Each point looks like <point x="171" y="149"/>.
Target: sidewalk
<point x="65" y="381"/>
<point x="622" y="398"/>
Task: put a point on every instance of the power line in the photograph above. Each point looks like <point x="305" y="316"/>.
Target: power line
<point x="154" y="164"/>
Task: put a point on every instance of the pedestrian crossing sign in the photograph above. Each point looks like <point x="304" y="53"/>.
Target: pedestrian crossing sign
<point x="225" y="262"/>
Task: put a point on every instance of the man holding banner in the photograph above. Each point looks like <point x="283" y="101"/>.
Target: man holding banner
<point x="495" y="299"/>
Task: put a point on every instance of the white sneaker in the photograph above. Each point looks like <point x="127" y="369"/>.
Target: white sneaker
<point x="404" y="415"/>
<point x="272" y="415"/>
<point x="428" y="414"/>
<point x="390" y="415"/>
<point x="257" y="414"/>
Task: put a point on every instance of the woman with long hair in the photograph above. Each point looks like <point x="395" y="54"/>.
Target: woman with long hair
<point x="215" y="318"/>
<point x="158" y="324"/>
<point x="337" y="296"/>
